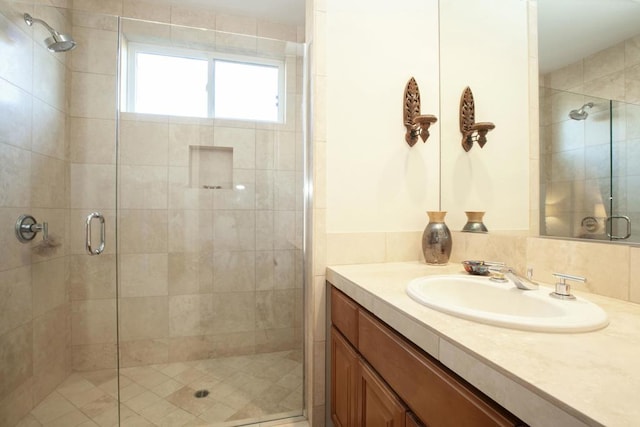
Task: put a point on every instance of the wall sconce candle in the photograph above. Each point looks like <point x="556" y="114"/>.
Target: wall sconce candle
<point x="471" y="131"/>
<point x="417" y="124"/>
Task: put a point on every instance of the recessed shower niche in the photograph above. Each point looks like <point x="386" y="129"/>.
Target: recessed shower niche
<point x="210" y="167"/>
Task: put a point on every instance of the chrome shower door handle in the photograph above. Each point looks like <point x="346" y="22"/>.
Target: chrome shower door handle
<point x="609" y="227"/>
<point x="100" y="248"/>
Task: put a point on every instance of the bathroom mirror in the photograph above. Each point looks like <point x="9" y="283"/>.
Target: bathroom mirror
<point x="589" y="66"/>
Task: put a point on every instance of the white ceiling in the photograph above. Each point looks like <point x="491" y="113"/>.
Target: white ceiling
<point x="572" y="29"/>
<point x="568" y="30"/>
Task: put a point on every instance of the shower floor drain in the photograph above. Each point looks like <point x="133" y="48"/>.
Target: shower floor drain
<point x="201" y="393"/>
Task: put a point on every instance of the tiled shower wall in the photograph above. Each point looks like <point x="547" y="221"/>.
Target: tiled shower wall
<point x="575" y="154"/>
<point x="57" y="144"/>
<point x="34" y="304"/>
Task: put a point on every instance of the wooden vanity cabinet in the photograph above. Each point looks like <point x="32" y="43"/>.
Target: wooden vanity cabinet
<point x="378" y="378"/>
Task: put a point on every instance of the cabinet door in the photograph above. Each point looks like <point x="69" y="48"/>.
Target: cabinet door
<point x="378" y="406"/>
<point x="344" y="374"/>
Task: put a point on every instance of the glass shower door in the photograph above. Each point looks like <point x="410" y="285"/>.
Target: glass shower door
<point x="209" y="232"/>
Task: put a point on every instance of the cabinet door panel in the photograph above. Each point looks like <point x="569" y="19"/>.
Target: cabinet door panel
<point x="378" y="406"/>
<point x="344" y="315"/>
<point x="344" y="375"/>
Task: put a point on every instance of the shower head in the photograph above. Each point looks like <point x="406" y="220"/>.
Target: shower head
<point x="580" y="113"/>
<point x="57" y="42"/>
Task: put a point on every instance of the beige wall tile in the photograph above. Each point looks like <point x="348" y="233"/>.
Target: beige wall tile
<point x="193" y="17"/>
<point x="243" y="142"/>
<point x="93" y="186"/>
<point x="241" y="195"/>
<point x="404" y="246"/>
<point x="94" y="356"/>
<point x="144" y="318"/>
<point x="51" y="351"/>
<point x="191" y="231"/>
<point x="143" y="275"/>
<point x="149" y="10"/>
<point x="16" y="172"/>
<point x="111" y="7"/>
<point x="12" y="253"/>
<point x="143" y="353"/>
<point x="92" y="277"/>
<point x="234" y="271"/>
<point x="144" y="143"/>
<point x="143" y="231"/>
<point x="634" y="274"/>
<point x="143" y="187"/>
<point x="190" y="315"/>
<point x="274" y="309"/>
<point x="93" y="95"/>
<point x="92" y="141"/>
<point x="184" y="273"/>
<point x="182" y="136"/>
<point x="15" y="129"/>
<point x="48" y="179"/>
<point x="233" y="312"/>
<point x="264" y="230"/>
<point x="96" y="51"/>
<point x="15" y="294"/>
<point x="18" y="46"/>
<point x="94" y="322"/>
<point x="273" y="30"/>
<point x="49" y="130"/>
<point x="15" y="406"/>
<point x="234" y="230"/>
<point x="236" y="24"/>
<point x="47" y="70"/>
<point x="16" y="355"/>
<point x="605" y="62"/>
<point x="49" y="285"/>
<point x="269" y="340"/>
<point x="284" y="230"/>
<point x="548" y="256"/>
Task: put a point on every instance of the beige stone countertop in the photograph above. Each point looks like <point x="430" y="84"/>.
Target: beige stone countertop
<point x="546" y="379"/>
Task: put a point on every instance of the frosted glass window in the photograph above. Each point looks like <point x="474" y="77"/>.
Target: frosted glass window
<point x="246" y="91"/>
<point x="171" y="85"/>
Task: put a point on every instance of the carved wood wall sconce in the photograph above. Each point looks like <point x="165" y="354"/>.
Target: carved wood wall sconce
<point x="471" y="131"/>
<point x="417" y="124"/>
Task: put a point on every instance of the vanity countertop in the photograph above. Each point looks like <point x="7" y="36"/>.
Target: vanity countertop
<point x="546" y="379"/>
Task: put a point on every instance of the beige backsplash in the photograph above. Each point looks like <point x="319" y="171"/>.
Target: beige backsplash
<point x="611" y="270"/>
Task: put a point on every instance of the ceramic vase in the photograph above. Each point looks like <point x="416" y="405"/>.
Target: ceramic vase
<point x="474" y="222"/>
<point x="436" y="239"/>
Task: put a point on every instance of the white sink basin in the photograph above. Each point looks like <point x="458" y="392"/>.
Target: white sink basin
<point x="502" y="304"/>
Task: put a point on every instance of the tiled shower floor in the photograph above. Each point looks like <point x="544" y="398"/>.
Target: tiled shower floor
<point x="241" y="388"/>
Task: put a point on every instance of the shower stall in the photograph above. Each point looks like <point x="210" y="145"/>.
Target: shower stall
<point x="590" y="158"/>
<point x="169" y="287"/>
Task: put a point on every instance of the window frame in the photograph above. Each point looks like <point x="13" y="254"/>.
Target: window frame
<point x="134" y="48"/>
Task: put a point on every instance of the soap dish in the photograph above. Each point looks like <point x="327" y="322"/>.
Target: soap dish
<point x="478" y="268"/>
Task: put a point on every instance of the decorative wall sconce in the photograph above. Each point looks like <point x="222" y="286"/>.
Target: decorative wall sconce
<point x="471" y="131"/>
<point x="417" y="124"/>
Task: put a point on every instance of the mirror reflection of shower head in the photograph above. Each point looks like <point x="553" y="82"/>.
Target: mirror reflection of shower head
<point x="57" y="42"/>
<point x="580" y="113"/>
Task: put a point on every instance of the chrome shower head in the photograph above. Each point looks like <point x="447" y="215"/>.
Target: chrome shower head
<point x="57" y="42"/>
<point x="580" y="113"/>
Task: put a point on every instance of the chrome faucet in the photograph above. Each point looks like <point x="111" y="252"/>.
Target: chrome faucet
<point x="524" y="283"/>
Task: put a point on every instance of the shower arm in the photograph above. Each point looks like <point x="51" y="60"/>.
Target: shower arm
<point x="30" y="20"/>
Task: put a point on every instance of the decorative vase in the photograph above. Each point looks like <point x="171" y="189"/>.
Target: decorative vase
<point x="474" y="222"/>
<point x="436" y="239"/>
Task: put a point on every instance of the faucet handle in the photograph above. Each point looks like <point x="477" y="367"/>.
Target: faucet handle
<point x="563" y="289"/>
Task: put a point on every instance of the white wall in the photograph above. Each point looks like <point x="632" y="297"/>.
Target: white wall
<point x="484" y="45"/>
<point x="375" y="182"/>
